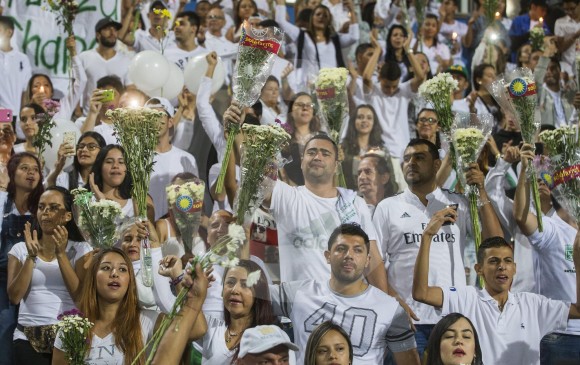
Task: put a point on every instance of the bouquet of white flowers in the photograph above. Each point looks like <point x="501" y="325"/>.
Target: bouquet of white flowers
<point x="257" y="51"/>
<point x="73" y="330"/>
<point x="223" y="253"/>
<point x="259" y="150"/>
<point x="563" y="146"/>
<point x="537" y="35"/>
<point x="185" y="204"/>
<point x="98" y="221"/>
<point x="470" y="133"/>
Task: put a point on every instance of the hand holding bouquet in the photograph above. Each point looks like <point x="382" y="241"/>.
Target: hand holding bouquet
<point x="74" y="330"/>
<point x="185" y="204"/>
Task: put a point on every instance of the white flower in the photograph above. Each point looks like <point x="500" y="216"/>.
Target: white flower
<point x="236" y="233"/>
<point x="253" y="278"/>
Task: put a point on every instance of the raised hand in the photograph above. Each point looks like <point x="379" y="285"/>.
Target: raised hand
<point x="60" y="238"/>
<point x="31" y="240"/>
<point x="94" y="188"/>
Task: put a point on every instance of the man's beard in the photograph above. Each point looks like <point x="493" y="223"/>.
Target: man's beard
<point x="108" y="44"/>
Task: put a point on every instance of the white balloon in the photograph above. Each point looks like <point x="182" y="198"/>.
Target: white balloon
<point x="195" y="70"/>
<point x="172" y="87"/>
<point x="148" y="70"/>
<point x="57" y="132"/>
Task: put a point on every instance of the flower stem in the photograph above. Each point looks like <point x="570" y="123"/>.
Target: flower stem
<point x="536" y="195"/>
<point x="233" y="130"/>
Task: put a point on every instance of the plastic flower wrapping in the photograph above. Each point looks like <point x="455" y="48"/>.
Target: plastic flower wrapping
<point x="224" y="253"/>
<point x="98" y="221"/>
<point x="537" y="38"/>
<point x="563" y="147"/>
<point x="185" y="204"/>
<point x="260" y="164"/>
<point x="515" y="93"/>
<point x="74" y="330"/>
<point x="470" y="133"/>
<point x="332" y="98"/>
<point x="136" y="130"/>
<point x="257" y="52"/>
<point x="489" y="9"/>
<point x="44" y="135"/>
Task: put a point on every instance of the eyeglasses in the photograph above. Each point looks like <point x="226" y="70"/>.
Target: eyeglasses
<point x="89" y="146"/>
<point x="53" y="208"/>
<point x="303" y="106"/>
<point x="211" y="17"/>
<point x="428" y="120"/>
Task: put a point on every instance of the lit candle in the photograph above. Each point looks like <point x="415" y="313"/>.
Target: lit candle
<point x="454" y="36"/>
<point x="133" y="103"/>
<point x="497" y="15"/>
<point x="541" y="20"/>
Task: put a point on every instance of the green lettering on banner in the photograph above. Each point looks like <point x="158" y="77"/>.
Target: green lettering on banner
<point x="29" y="39"/>
<point x="54" y="65"/>
<point x="33" y="2"/>
<point x="113" y="14"/>
<point x="83" y="6"/>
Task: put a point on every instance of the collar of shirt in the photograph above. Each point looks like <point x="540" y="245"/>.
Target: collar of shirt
<point x="485" y="297"/>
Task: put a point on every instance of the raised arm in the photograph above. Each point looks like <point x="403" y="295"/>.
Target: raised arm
<point x="494" y="185"/>
<point x="371" y="65"/>
<point x="525" y="219"/>
<point x="419" y="74"/>
<point x="422" y="292"/>
<point x="69" y="276"/>
<point x="290" y="29"/>
<point x="490" y="226"/>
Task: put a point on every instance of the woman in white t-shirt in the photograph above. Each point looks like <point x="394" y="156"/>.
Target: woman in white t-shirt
<point x="29" y="118"/>
<point x="41" y="274"/>
<point x="437" y="52"/>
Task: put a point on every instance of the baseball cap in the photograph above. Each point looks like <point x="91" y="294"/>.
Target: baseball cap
<point x="157" y="4"/>
<point x="161" y="103"/>
<point x="105" y="22"/>
<point x="458" y="69"/>
<point x="262" y="338"/>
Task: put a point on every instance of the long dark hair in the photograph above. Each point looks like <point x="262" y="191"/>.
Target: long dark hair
<point x="350" y="143"/>
<point x="73" y="230"/>
<point x="314" y="123"/>
<point x="317" y="335"/>
<point x="237" y="20"/>
<point x="328" y="31"/>
<point x="31" y="81"/>
<point x="34" y="197"/>
<point x="390" y="55"/>
<point x="411" y="73"/>
<point x="433" y="350"/>
<point x="126" y="185"/>
<point x="73" y="175"/>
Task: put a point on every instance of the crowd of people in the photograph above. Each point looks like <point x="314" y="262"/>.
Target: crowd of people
<point x="382" y="271"/>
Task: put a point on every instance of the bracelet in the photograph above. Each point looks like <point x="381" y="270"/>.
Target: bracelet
<point x="485" y="202"/>
<point x="177" y="280"/>
<point x="31" y="257"/>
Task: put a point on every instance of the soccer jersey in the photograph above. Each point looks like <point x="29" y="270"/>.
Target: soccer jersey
<point x="305" y="222"/>
<point x="373" y="319"/>
<point x="511" y="336"/>
<point x="401" y="220"/>
<point x="181" y="57"/>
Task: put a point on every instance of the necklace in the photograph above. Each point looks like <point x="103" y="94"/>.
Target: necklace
<point x="230" y="334"/>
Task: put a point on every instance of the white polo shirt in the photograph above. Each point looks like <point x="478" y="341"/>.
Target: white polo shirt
<point x="400" y="221"/>
<point x="511" y="336"/>
<point x="180" y="57"/>
<point x="14" y="73"/>
<point x="145" y="41"/>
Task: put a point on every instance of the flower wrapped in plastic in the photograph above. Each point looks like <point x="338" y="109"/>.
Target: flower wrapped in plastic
<point x="537" y="35"/>
<point x="515" y="93"/>
<point x="489" y="10"/>
<point x="257" y="51"/>
<point x="224" y="253"/>
<point x="185" y="206"/>
<point x="136" y="130"/>
<point x="260" y="148"/>
<point x="470" y="133"/>
<point x="332" y="97"/>
<point x="563" y="147"/>
<point x="44" y="135"/>
<point x="98" y="221"/>
<point x="74" y="330"/>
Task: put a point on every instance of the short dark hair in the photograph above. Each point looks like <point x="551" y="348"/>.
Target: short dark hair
<point x="324" y="137"/>
<point x="7" y="21"/>
<point x="351" y="229"/>
<point x="390" y="71"/>
<point x="540" y="3"/>
<point x="269" y="23"/>
<point x="433" y="350"/>
<point x="433" y="151"/>
<point x="111" y="80"/>
<point x="491" y="242"/>
<point x="478" y="73"/>
<point x="426" y="110"/>
<point x="361" y="49"/>
<point x="192" y="17"/>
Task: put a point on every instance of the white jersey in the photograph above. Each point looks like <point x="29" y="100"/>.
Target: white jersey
<point x="373" y="319"/>
<point x="180" y="57"/>
<point x="305" y="222"/>
<point x="215" y="350"/>
<point x="144" y="41"/>
<point x="401" y="220"/>
<point x="511" y="336"/>
<point x="554" y="266"/>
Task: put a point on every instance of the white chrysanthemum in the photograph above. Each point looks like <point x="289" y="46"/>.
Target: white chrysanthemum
<point x="236" y="233"/>
<point x="253" y="278"/>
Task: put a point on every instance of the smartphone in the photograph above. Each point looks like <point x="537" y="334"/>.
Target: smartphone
<point x="454" y="207"/>
<point x="5" y="116"/>
<point x="539" y="148"/>
<point x="107" y="95"/>
<point x="70" y="138"/>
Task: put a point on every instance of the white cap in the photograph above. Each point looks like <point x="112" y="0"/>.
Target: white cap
<point x="161" y="103"/>
<point x="259" y="339"/>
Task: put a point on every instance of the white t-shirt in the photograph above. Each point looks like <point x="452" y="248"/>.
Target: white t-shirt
<point x="180" y="57"/>
<point x="108" y="133"/>
<point x="512" y="336"/>
<point x="96" y="67"/>
<point x="14" y="73"/>
<point x="339" y="13"/>
<point x="400" y="222"/>
<point x="441" y="50"/>
<point x="373" y="319"/>
<point x="393" y="116"/>
<point x="145" y="41"/>
<point x="215" y="351"/>
<point x="47" y="296"/>
<point x="567" y="26"/>
<point x="559" y="113"/>
<point x="167" y="165"/>
<point x="305" y="222"/>
<point x="103" y="350"/>
<point x="445" y="37"/>
<point x="228" y="51"/>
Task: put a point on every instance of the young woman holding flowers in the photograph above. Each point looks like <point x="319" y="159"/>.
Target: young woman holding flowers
<point x="42" y="277"/>
<point x="87" y="150"/>
<point x="39" y="89"/>
<point x="438" y="53"/>
<point x="29" y="125"/>
<point x="17" y="201"/>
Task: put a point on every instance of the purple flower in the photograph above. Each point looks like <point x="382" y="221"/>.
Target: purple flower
<point x="287" y="127"/>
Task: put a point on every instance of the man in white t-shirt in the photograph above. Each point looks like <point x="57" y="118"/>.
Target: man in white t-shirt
<point x="554" y="267"/>
<point x="185" y="30"/>
<point x="169" y="160"/>
<point x="510" y="325"/>
<point x="157" y="36"/>
<point x="567" y="31"/>
<point x="401" y="219"/>
<point x="15" y="71"/>
<point x="451" y="31"/>
<point x="103" y="60"/>
<point x="373" y="319"/>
